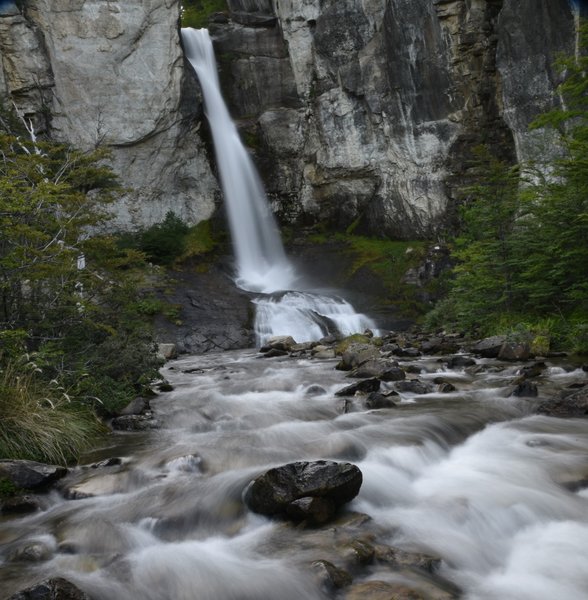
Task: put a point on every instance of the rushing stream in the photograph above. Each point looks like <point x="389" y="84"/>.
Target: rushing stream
<point x="472" y="477"/>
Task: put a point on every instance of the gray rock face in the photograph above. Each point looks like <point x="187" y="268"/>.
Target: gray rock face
<point x="112" y="73"/>
<point x="30" y="475"/>
<point x="366" y="113"/>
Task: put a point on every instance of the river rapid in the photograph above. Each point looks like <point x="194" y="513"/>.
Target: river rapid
<point x="473" y="477"/>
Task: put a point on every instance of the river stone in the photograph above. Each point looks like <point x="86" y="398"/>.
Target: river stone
<point x="514" y="351"/>
<point x="274" y="492"/>
<point x="329" y="576"/>
<point x="30" y="475"/>
<point x="356" y="355"/>
<point x="279" y="342"/>
<point x="34" y="551"/>
<point x="567" y="405"/>
<point x="382" y="369"/>
<point x="489" y="347"/>
<point x="413" y="386"/>
<point x="19" y="505"/>
<point x="313" y="509"/>
<point x="52" y="589"/>
<point x="138" y="406"/>
<point x="376" y="401"/>
<point x="459" y="360"/>
<point x="382" y="590"/>
<point x="365" y="386"/>
<point x="525" y="389"/>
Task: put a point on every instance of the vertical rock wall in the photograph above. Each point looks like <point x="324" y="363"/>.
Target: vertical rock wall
<point x="91" y="72"/>
<point x="363" y="113"/>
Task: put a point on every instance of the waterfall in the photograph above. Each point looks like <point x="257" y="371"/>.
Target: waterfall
<point x="262" y="265"/>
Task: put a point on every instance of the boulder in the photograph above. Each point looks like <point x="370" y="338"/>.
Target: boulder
<point x="17" y="505"/>
<point x="568" y="405"/>
<point x="51" y="589"/>
<point x="274" y="352"/>
<point x="525" y="389"/>
<point x="514" y="351"/>
<point x="329" y="576"/>
<point x="376" y="401"/>
<point x="489" y="347"/>
<point x="289" y="491"/>
<point x="138" y="406"/>
<point x="279" y="342"/>
<point x="446" y="388"/>
<point x="30" y="475"/>
<point x="414" y="386"/>
<point x="460" y="360"/>
<point x="381" y="368"/>
<point x="364" y="386"/>
<point x="356" y="355"/>
<point x="134" y="422"/>
<point x="167" y="351"/>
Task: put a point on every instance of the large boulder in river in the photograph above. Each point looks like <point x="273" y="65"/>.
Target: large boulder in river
<point x="30" y="475"/>
<point x="489" y="347"/>
<point x="569" y="404"/>
<point x="311" y="491"/>
<point x="356" y="355"/>
<point x="52" y="589"/>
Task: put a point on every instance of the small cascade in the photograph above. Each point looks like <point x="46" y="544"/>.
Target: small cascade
<point x="262" y="265"/>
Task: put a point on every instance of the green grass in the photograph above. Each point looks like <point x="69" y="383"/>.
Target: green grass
<point x="195" y="13"/>
<point x="38" y="421"/>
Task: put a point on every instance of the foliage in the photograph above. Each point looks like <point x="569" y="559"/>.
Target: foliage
<point x="40" y="421"/>
<point x="68" y="299"/>
<point x="195" y="13"/>
<point x="522" y="250"/>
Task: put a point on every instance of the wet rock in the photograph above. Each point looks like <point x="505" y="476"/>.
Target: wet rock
<point x="414" y="386"/>
<point x="514" y="351"/>
<point x="315" y="390"/>
<point x="438" y="346"/>
<point x="329" y="576"/>
<point x="356" y="355"/>
<point x="324" y="354"/>
<point x="274" y="492"/>
<point x="274" y="352"/>
<point x="375" y="401"/>
<point x="489" y="347"/>
<point x="18" y="505"/>
<point x="52" y="589"/>
<point x="533" y="370"/>
<point x="459" y="360"/>
<point x="362" y="552"/>
<point x="365" y="386"/>
<point x="134" y="423"/>
<point x="31" y="552"/>
<point x="408" y="352"/>
<point x="279" y="342"/>
<point x="446" y="388"/>
<point x="525" y="389"/>
<point x="402" y="558"/>
<point x="314" y="510"/>
<point x="382" y="590"/>
<point x="382" y="369"/>
<point x="30" y="475"/>
<point x="167" y="351"/>
<point x="568" y="405"/>
<point x="303" y="347"/>
<point x="165" y="387"/>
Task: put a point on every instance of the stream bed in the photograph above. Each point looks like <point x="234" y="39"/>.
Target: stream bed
<point x="466" y="494"/>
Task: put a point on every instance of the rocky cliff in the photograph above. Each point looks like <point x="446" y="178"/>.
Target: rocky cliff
<point x="363" y="113"/>
<point x="95" y="72"/>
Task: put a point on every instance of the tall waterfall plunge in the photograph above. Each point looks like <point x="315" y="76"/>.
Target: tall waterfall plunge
<point x="262" y="265"/>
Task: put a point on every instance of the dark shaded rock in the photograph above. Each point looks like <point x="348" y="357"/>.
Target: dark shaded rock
<point x="30" y="475"/>
<point x="459" y="360"/>
<point x="165" y="387"/>
<point x="489" y="347"/>
<point x="273" y="352"/>
<point x="533" y="370"/>
<point x="363" y="553"/>
<point x="413" y="386"/>
<point x="134" y="423"/>
<point x="138" y="406"/>
<point x="18" y="505"/>
<point x="402" y="558"/>
<point x="365" y="386"/>
<point x="514" y="351"/>
<point x="567" y="405"/>
<point x="438" y="346"/>
<point x="329" y="576"/>
<point x="273" y="492"/>
<point x="525" y="389"/>
<point x="408" y="352"/>
<point x="315" y="510"/>
<point x="446" y="388"/>
<point x="52" y="589"/>
<point x="114" y="461"/>
<point x="30" y="552"/>
<point x="376" y="401"/>
<point x="315" y="390"/>
<point x="381" y="368"/>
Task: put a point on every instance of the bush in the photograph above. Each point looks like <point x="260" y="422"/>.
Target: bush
<point x="195" y="13"/>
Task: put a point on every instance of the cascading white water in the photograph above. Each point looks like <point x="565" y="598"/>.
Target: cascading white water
<point x="262" y="265"/>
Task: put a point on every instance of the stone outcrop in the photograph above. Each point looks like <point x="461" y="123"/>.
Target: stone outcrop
<point x="365" y="114"/>
<point x="112" y="74"/>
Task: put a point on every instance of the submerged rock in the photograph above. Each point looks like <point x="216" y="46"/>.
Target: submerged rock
<point x="329" y="576"/>
<point x="304" y="490"/>
<point x="52" y="589"/>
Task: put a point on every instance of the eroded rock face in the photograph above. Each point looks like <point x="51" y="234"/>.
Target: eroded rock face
<point x="112" y="73"/>
<point x="366" y="112"/>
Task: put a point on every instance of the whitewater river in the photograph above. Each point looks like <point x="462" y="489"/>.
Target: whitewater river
<point x="472" y="477"/>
